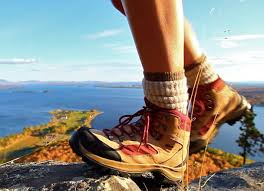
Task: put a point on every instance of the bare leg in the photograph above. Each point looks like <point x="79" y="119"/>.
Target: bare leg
<point x="192" y="50"/>
<point x="159" y="140"/>
<point x="158" y="31"/>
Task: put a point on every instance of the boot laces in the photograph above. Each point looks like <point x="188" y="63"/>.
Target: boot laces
<point x="201" y="105"/>
<point x="126" y="119"/>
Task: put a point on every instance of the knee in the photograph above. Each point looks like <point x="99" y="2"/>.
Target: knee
<point x="118" y="5"/>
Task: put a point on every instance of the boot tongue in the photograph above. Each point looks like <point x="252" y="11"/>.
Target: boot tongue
<point x="185" y="120"/>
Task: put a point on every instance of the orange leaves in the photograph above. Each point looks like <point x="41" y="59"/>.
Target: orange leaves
<point x="58" y="152"/>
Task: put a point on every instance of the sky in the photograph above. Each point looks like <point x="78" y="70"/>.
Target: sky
<point x="82" y="40"/>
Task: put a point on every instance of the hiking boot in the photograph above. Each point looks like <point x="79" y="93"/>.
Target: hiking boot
<point x="157" y="141"/>
<point x="216" y="103"/>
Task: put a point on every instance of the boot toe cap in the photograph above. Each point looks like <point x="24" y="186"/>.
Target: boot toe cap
<point x="91" y="143"/>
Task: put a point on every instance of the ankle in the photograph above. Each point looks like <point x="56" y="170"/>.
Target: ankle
<point x="192" y="64"/>
<point x="166" y="90"/>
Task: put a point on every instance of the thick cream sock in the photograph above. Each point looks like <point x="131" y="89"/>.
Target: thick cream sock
<point x="208" y="74"/>
<point x="166" y="90"/>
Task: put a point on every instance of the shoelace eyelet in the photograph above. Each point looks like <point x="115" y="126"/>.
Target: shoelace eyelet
<point x="207" y="96"/>
<point x="209" y="105"/>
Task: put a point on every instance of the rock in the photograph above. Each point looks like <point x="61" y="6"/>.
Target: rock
<point x="118" y="183"/>
<point x="247" y="178"/>
<point x="53" y="175"/>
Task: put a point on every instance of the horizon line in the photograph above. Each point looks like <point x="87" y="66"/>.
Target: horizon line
<point x="83" y="81"/>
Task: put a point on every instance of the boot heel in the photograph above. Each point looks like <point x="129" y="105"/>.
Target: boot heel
<point x="246" y="108"/>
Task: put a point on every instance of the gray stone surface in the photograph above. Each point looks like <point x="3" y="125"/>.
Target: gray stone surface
<point x="247" y="178"/>
<point x="52" y="175"/>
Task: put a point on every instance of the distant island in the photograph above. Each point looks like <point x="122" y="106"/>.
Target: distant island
<point x="254" y="94"/>
<point x="31" y="139"/>
<point x="6" y="84"/>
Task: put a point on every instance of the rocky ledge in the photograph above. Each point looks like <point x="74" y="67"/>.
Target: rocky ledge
<point x="52" y="175"/>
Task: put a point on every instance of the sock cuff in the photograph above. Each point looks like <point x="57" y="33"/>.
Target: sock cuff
<point x="167" y="94"/>
<point x="165" y="88"/>
<point x="163" y="76"/>
<point x="208" y="74"/>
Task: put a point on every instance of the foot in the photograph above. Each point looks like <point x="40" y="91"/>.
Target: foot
<point x="216" y="103"/>
<point x="157" y="141"/>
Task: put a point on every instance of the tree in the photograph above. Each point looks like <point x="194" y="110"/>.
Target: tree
<point x="251" y="140"/>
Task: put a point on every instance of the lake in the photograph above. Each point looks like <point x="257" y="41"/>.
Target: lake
<point x="29" y="105"/>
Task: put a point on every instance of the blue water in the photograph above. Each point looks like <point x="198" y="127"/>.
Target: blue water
<point x="28" y="105"/>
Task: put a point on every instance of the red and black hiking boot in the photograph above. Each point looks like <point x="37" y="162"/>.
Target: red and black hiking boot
<point x="158" y="141"/>
<point x="216" y="103"/>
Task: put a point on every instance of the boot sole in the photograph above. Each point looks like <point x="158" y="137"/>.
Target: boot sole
<point x="171" y="175"/>
<point x="231" y="119"/>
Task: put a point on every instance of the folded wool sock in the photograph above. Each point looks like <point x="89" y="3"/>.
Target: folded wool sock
<point x="166" y="89"/>
<point x="208" y="74"/>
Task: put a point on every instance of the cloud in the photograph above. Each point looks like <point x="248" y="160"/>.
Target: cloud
<point x="244" y="73"/>
<point x="228" y="44"/>
<point x="103" y="34"/>
<point x="18" y="61"/>
<point x="234" y="40"/>
<point x="249" y="58"/>
<point x="120" y="48"/>
<point x="240" y="66"/>
<point x="241" y="37"/>
<point x="212" y="11"/>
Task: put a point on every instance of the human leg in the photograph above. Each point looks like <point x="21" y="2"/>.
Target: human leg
<point x="158" y="141"/>
<point x="192" y="50"/>
<point x="215" y="102"/>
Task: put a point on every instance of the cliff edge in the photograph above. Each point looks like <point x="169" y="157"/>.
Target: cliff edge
<point x="53" y="175"/>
